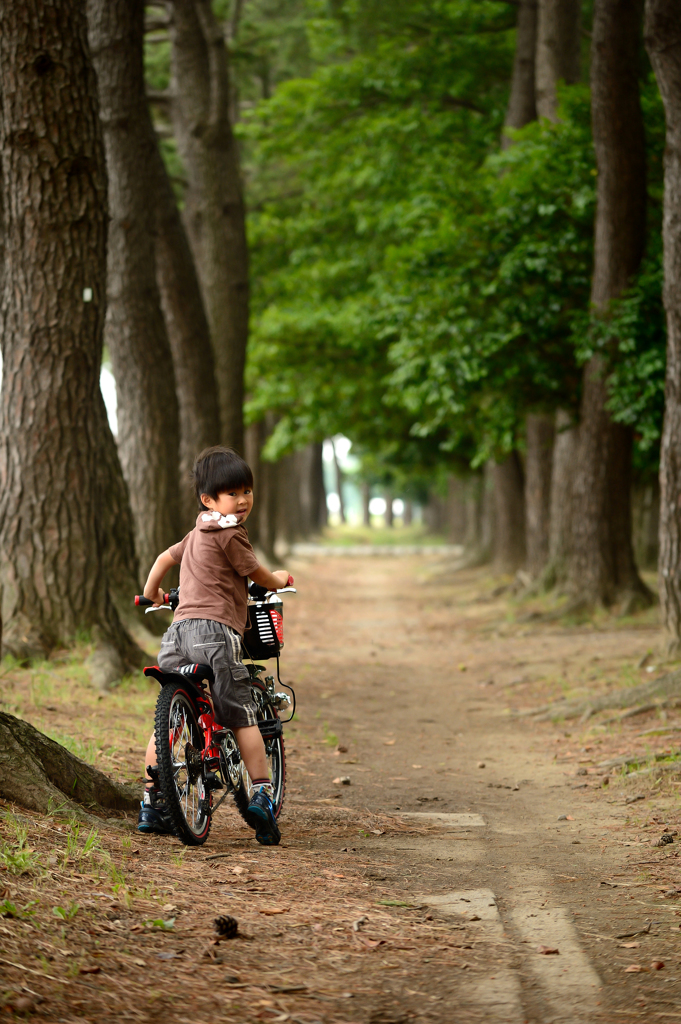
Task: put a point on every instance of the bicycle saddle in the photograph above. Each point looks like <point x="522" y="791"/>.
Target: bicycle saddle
<point x="195" y="672"/>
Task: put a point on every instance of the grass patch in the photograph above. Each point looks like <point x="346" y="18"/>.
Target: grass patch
<point x="349" y="536"/>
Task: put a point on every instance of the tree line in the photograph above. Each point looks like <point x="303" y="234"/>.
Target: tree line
<point x="481" y="211"/>
<point x="439" y="220"/>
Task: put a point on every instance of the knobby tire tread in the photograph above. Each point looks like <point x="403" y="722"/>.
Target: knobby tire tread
<point x="165" y="765"/>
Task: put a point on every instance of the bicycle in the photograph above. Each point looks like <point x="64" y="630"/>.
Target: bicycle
<point x="196" y="755"/>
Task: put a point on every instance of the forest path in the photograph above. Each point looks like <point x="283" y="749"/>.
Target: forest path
<point x="421" y="891"/>
<point x="412" y="672"/>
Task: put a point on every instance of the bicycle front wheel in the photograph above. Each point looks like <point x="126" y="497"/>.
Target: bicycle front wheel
<point x="179" y="743"/>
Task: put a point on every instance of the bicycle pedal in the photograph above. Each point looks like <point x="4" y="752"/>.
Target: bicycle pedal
<point x="212" y="781"/>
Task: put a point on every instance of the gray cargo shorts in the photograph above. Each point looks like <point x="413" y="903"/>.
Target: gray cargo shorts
<point x="204" y="642"/>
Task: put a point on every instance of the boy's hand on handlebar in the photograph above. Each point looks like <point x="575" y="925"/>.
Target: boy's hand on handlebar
<point x="159" y="598"/>
<point x="283" y="576"/>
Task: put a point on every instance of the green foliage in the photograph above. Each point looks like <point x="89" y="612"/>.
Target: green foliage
<point x="16" y="856"/>
<point x="361" y="175"/>
<point x="161" y="925"/>
<point x="9" y="909"/>
<point x="66" y="913"/>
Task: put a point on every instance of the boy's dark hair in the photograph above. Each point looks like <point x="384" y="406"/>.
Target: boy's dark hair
<point x="217" y="470"/>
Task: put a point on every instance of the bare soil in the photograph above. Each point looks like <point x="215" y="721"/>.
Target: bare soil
<point x="538" y="894"/>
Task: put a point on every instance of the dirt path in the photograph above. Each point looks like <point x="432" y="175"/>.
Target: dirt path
<point x="467" y="841"/>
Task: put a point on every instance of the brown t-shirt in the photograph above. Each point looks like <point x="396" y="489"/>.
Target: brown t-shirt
<point x="215" y="559"/>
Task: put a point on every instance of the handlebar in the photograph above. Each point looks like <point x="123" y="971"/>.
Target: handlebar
<point x="145" y="602"/>
<point x="172" y="599"/>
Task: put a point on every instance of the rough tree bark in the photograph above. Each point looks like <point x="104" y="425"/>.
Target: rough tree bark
<point x="509" y="517"/>
<point x="148" y="426"/>
<point x="538" y="466"/>
<point x="522" y="105"/>
<point x="601" y="567"/>
<point x="663" y="42"/>
<point x="188" y="334"/>
<point x="558" y="51"/>
<point x="57" y="462"/>
<point x="35" y="770"/>
<point x="509" y="512"/>
<point x="560" y="515"/>
<point x="214" y="211"/>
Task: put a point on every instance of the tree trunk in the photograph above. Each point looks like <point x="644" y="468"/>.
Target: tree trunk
<point x="366" y="500"/>
<point x="457" y="511"/>
<point x="645" y="509"/>
<point x="57" y="460"/>
<point x="317" y="488"/>
<point x="558" y="51"/>
<point x="408" y="514"/>
<point x="290" y="513"/>
<point x="538" y="465"/>
<point x="522" y="104"/>
<point x="601" y="560"/>
<point x="339" y="482"/>
<point x="148" y="425"/>
<point x="564" y="454"/>
<point x="214" y="211"/>
<point x="389" y="517"/>
<point x="663" y="42"/>
<point x="253" y="442"/>
<point x="188" y="334"/>
<point x="35" y="770"/>
<point x="509" y="519"/>
<point x="309" y="471"/>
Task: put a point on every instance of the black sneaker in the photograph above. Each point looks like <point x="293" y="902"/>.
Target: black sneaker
<point x="261" y="817"/>
<point x="153" y="816"/>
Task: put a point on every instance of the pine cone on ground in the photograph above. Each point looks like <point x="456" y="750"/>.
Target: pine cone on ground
<point x="226" y="927"/>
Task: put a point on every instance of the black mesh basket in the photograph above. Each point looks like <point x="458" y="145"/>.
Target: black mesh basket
<point x="264" y="636"/>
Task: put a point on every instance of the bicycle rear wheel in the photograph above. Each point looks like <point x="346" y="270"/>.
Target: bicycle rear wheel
<point x="179" y="742"/>
<point x="276" y="759"/>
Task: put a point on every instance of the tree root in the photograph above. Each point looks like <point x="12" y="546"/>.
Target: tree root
<point x="667" y="687"/>
<point x="39" y="774"/>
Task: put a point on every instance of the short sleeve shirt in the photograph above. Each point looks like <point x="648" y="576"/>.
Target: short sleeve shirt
<point x="215" y="559"/>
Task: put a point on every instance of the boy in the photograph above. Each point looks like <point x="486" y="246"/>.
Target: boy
<point x="215" y="560"/>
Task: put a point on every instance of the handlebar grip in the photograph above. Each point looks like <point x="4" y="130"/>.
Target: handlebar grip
<point x="144" y="602"/>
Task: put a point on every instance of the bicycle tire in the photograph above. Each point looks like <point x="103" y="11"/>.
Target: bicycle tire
<point x="176" y="728"/>
<point x="277" y="762"/>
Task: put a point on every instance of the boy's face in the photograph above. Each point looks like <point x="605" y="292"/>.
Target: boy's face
<point x="237" y="502"/>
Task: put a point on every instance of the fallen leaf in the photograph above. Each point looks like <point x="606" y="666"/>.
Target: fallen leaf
<point x="417" y="766"/>
<point x="369" y="943"/>
<point x="377" y="831"/>
<point x="356" y="925"/>
<point x="388" y="743"/>
<point x="270" y="911"/>
<point x="239" y="870"/>
<point x="634" y="969"/>
<point x="547" y="950"/>
<point x="657" y="965"/>
<point x="342" y="780"/>
<point x="630" y="945"/>
<point x="95" y="969"/>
